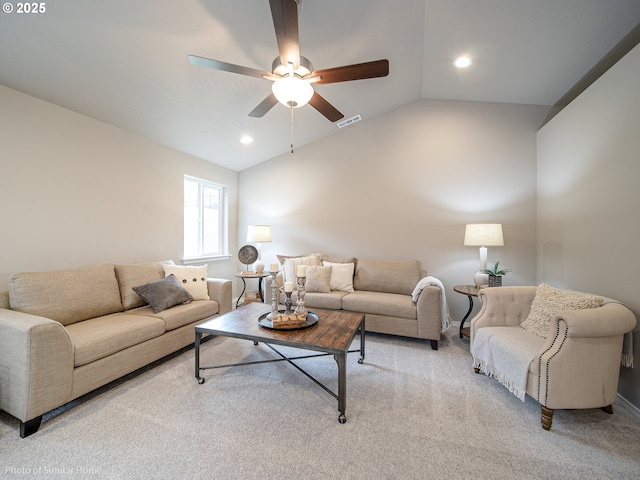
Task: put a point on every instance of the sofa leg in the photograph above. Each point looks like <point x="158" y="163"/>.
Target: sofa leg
<point x="30" y="426"/>
<point x="608" y="409"/>
<point x="434" y="344"/>
<point x="476" y="369"/>
<point x="547" y="417"/>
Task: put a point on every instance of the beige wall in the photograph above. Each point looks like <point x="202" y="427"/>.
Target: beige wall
<point x="75" y="191"/>
<point x="403" y="186"/>
<point x="588" y="196"/>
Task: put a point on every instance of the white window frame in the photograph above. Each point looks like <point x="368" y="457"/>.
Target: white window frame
<point x="223" y="222"/>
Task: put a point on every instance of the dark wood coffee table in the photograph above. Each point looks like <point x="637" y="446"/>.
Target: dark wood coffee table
<point x="332" y="335"/>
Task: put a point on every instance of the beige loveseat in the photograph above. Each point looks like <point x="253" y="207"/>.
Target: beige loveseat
<point x="66" y="333"/>
<point x="563" y="349"/>
<point x="395" y="297"/>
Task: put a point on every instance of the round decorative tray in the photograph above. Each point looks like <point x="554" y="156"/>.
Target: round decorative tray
<point x="263" y="321"/>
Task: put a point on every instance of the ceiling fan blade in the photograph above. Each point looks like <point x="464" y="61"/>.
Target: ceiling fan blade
<point x="285" y="22"/>
<point x="228" y="67"/>
<point x="264" y="106"/>
<point x="358" y="71"/>
<point x="325" y="108"/>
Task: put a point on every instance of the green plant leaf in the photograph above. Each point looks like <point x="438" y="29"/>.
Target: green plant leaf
<point x="496" y="271"/>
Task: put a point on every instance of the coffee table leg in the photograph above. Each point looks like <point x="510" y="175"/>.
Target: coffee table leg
<point x="341" y="359"/>
<point x="361" y="360"/>
<point x="197" y="355"/>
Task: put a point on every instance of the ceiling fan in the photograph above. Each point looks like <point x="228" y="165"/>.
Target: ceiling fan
<point x="291" y="73"/>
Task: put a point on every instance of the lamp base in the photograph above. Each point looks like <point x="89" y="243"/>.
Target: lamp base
<point x="481" y="279"/>
<point x="259" y="266"/>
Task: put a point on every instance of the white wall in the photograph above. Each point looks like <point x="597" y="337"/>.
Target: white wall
<point x="403" y="186"/>
<point x="588" y="196"/>
<point x="75" y="191"/>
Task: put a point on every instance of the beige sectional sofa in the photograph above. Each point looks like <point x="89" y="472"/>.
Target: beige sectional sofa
<point x="383" y="290"/>
<point x="66" y="333"/>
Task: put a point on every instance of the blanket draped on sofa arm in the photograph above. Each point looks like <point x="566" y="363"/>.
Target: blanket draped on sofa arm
<point x="433" y="281"/>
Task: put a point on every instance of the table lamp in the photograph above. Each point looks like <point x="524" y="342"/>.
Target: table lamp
<point x="483" y="235"/>
<point x="259" y="234"/>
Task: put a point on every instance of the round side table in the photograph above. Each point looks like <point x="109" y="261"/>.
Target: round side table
<point x="243" y="275"/>
<point x="470" y="291"/>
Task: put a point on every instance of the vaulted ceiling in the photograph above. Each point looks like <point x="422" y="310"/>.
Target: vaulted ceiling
<point x="125" y="62"/>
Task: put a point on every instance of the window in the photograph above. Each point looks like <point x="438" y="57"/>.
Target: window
<point x="205" y="219"/>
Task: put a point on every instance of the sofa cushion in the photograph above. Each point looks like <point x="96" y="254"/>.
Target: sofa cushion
<point x="4" y="300"/>
<point x="194" y="279"/>
<point x="291" y="265"/>
<point x="181" y="315"/>
<point x="339" y="259"/>
<point x="283" y="258"/>
<point x="318" y="279"/>
<point x="388" y="277"/>
<point x="550" y="301"/>
<point x="135" y="274"/>
<point x="103" y="336"/>
<point x="341" y="275"/>
<point x="389" y="304"/>
<point x="67" y="296"/>
<point x="330" y="301"/>
<point x="163" y="294"/>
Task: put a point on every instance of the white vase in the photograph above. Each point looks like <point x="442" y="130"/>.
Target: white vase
<point x="258" y="266"/>
<point x="481" y="279"/>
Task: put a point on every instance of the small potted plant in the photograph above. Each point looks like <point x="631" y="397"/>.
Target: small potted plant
<point x="495" y="274"/>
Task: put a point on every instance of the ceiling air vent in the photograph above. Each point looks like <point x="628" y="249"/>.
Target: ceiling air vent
<point x="349" y="121"/>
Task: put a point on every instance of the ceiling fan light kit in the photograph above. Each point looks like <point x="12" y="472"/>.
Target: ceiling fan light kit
<point x="292" y="91"/>
<point x="292" y="73"/>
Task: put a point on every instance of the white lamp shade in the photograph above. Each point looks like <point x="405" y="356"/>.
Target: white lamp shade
<point x="483" y="235"/>
<point x="259" y="233"/>
<point x="292" y="91"/>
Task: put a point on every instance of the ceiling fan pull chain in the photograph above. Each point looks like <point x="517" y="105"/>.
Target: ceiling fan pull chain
<point x="291" y="128"/>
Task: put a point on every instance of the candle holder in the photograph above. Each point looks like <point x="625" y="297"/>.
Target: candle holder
<point x="274" y="296"/>
<point x="287" y="303"/>
<point x="300" y="308"/>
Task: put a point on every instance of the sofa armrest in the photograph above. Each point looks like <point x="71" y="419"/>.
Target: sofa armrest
<point x="220" y="291"/>
<point x="36" y="364"/>
<point x="429" y="313"/>
<point x="502" y="306"/>
<point x="609" y="320"/>
<point x="579" y="364"/>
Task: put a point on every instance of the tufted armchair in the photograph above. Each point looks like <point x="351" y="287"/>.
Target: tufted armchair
<point x="576" y="366"/>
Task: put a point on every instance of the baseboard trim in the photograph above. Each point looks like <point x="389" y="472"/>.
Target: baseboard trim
<point x="627" y="405"/>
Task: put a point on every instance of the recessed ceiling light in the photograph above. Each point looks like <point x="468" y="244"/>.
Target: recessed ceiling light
<point x="246" y="140"/>
<point x="462" y="62"/>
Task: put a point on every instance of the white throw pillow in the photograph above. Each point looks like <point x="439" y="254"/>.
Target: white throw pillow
<point x="318" y="279"/>
<point x="193" y="279"/>
<point x="341" y="276"/>
<point x="291" y="266"/>
<point x="550" y="301"/>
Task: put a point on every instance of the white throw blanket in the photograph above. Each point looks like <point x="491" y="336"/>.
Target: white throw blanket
<point x="627" y="341"/>
<point x="627" y="350"/>
<point x="428" y="281"/>
<point x="505" y="353"/>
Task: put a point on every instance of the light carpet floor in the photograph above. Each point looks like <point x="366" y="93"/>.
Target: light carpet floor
<point x="412" y="413"/>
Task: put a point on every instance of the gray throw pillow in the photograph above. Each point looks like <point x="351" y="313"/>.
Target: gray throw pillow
<point x="163" y="294"/>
